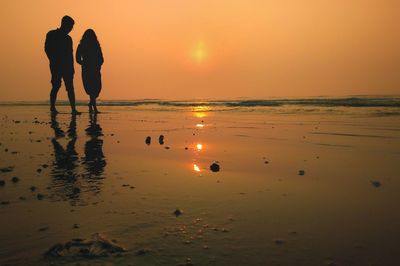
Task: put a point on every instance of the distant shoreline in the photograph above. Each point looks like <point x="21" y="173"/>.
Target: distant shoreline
<point x="359" y="101"/>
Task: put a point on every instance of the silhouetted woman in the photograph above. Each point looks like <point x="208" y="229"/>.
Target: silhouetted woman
<point x="90" y="56"/>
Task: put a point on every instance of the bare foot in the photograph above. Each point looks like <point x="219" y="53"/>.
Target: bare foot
<point x="75" y="112"/>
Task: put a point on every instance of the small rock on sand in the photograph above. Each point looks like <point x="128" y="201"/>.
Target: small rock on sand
<point x="302" y="172"/>
<point x="142" y="251"/>
<point x="6" y="169"/>
<point x="39" y="196"/>
<point x="161" y="139"/>
<point x="32" y="188"/>
<point x="6" y="202"/>
<point x="2" y="183"/>
<point x="279" y="241"/>
<point x="214" y="167"/>
<point x="97" y="246"/>
<point x="148" y="140"/>
<point x="178" y="212"/>
<point x="15" y="179"/>
<point x="376" y="183"/>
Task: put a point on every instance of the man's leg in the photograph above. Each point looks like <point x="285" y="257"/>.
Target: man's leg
<point x="69" y="85"/>
<point x="55" y="87"/>
<point x="53" y="95"/>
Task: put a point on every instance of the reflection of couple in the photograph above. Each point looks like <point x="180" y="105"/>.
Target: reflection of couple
<point x="65" y="181"/>
<point x="58" y="47"/>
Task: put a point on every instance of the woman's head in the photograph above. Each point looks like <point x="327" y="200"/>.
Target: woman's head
<point x="89" y="38"/>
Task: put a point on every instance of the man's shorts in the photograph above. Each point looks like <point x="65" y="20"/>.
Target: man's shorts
<point x="58" y="73"/>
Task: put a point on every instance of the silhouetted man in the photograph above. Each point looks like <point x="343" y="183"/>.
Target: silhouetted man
<point x="58" y="47"/>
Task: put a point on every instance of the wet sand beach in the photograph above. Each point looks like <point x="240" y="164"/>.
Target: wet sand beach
<point x="247" y="185"/>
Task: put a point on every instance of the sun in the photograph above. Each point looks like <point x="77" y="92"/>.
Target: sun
<point x="200" y="52"/>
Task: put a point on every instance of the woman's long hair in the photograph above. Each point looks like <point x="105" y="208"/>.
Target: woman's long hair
<point x="89" y="40"/>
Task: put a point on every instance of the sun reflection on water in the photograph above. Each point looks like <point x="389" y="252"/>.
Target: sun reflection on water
<point x="199" y="146"/>
<point x="196" y="168"/>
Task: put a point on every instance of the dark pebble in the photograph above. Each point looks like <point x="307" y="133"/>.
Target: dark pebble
<point x="148" y="140"/>
<point x="279" y="241"/>
<point x="214" y="167"/>
<point x="161" y="139"/>
<point x="40" y="196"/>
<point x="2" y="183"/>
<point x="302" y="172"/>
<point x="142" y="251"/>
<point x="15" y="179"/>
<point x="178" y="212"/>
<point x="376" y="183"/>
<point x="32" y="188"/>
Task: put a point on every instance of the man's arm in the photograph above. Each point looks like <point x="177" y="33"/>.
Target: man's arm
<point x="71" y="54"/>
<point x="48" y="47"/>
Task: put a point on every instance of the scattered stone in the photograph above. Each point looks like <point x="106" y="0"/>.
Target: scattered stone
<point x="302" y="172"/>
<point x="266" y="162"/>
<point x="42" y="229"/>
<point x="76" y="190"/>
<point x="142" y="251"/>
<point x="76" y="226"/>
<point x="376" y="183"/>
<point x="148" y="140"/>
<point x="6" y="202"/>
<point x="188" y="262"/>
<point x="45" y="165"/>
<point x="161" y="139"/>
<point x="178" y="212"/>
<point x="2" y="183"/>
<point x="167" y="147"/>
<point x="6" y="169"/>
<point x="279" y="241"/>
<point x="22" y="198"/>
<point x="40" y="196"/>
<point x="15" y="179"/>
<point x="39" y="170"/>
<point x="97" y="246"/>
<point x="186" y="148"/>
<point x="214" y="167"/>
<point x="32" y="188"/>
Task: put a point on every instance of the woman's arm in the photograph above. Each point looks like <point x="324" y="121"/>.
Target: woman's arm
<point x="78" y="55"/>
<point x="101" y="57"/>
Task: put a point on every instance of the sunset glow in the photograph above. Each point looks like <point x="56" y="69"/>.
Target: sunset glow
<point x="211" y="49"/>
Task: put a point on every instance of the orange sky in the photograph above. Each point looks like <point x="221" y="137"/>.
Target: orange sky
<point x="210" y="49"/>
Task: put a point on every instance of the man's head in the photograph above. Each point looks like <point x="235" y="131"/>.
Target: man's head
<point x="67" y="23"/>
